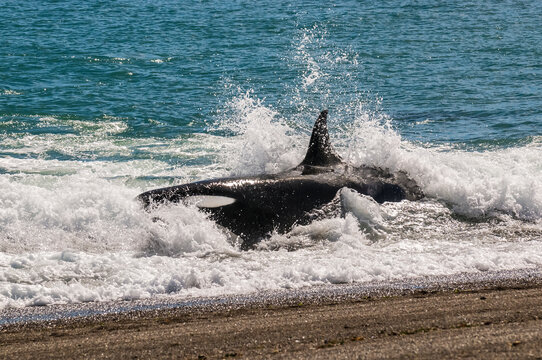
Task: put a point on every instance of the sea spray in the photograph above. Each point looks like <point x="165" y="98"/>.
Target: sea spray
<point x="94" y="112"/>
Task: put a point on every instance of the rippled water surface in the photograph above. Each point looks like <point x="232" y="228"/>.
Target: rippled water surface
<point x="100" y="101"/>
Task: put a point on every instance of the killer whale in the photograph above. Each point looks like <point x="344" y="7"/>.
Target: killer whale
<point x="255" y="206"/>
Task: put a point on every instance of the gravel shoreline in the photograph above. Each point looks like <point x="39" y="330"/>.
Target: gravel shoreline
<point x="482" y="315"/>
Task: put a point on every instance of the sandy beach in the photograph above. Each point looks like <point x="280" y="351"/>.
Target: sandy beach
<point x="494" y="319"/>
<point x="270" y="179"/>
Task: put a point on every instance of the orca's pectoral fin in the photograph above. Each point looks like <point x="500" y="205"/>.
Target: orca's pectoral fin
<point x="360" y="205"/>
<point x="366" y="210"/>
<point x="320" y="152"/>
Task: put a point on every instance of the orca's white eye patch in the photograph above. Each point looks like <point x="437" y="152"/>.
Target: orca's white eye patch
<point x="208" y="201"/>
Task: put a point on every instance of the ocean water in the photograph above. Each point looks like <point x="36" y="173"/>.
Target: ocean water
<point x="102" y="100"/>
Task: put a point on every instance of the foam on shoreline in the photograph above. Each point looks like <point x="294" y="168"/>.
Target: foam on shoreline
<point x="11" y="317"/>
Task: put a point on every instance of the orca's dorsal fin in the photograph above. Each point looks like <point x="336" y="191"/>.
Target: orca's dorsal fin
<point x="320" y="152"/>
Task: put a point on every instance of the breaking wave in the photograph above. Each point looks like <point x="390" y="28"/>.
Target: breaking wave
<point x="72" y="231"/>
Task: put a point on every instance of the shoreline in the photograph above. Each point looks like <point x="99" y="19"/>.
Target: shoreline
<point x="320" y="294"/>
<point x="497" y="316"/>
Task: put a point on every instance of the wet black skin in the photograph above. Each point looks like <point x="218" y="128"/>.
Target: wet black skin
<point x="268" y="203"/>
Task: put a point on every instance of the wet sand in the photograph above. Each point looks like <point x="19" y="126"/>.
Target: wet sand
<point x="499" y="318"/>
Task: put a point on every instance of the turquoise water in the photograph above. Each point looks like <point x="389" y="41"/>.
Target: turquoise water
<point x="101" y="100"/>
<point x="462" y="72"/>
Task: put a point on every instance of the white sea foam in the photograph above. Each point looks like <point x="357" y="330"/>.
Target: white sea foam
<point x="71" y="231"/>
<point x="473" y="183"/>
<point x="264" y="142"/>
<point x="9" y="92"/>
